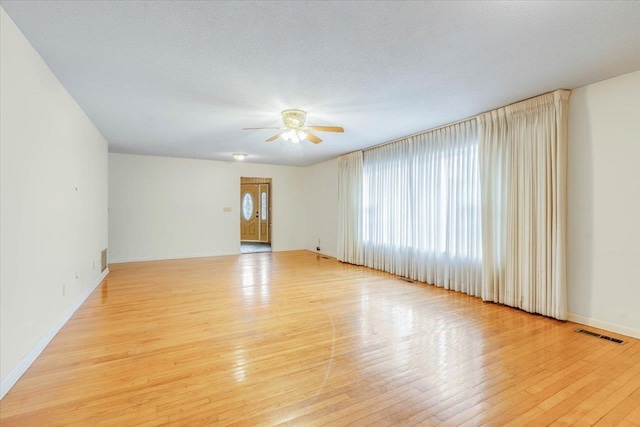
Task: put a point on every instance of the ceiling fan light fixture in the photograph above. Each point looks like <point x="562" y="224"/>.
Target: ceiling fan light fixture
<point x="295" y="130"/>
<point x="294" y="119"/>
<point x="294" y="135"/>
<point x="240" y="156"/>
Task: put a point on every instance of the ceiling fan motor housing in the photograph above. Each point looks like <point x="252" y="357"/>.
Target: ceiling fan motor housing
<point x="294" y="119"/>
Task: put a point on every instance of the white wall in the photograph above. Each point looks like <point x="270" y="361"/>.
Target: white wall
<point x="604" y="204"/>
<point x="53" y="202"/>
<point x="161" y="207"/>
<point x="322" y="207"/>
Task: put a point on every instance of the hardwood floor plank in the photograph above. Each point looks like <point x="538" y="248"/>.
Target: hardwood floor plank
<point x="619" y="413"/>
<point x="634" y="416"/>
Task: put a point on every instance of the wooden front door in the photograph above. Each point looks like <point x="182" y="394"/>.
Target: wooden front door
<point x="249" y="213"/>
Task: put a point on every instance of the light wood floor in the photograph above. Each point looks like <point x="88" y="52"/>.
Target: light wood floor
<point x="294" y="338"/>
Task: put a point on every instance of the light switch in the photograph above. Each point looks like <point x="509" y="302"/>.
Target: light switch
<point x="226" y="209"/>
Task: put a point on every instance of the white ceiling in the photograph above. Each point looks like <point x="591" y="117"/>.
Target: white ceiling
<point x="182" y="78"/>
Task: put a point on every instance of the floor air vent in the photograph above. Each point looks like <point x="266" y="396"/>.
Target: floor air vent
<point x="597" y="335"/>
<point x="406" y="280"/>
<point x="326" y="257"/>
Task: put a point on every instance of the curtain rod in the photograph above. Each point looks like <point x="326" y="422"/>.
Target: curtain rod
<point x="446" y="125"/>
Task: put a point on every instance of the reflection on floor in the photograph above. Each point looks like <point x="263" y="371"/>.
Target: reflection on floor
<point x="251" y="248"/>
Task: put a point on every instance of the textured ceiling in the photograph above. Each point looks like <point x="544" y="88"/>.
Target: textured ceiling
<point x="182" y="78"/>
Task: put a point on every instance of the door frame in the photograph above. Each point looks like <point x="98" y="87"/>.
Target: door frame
<point x="260" y="181"/>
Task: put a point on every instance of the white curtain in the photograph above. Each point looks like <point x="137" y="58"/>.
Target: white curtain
<point x="350" y="208"/>
<point x="421" y="208"/>
<point x="523" y="169"/>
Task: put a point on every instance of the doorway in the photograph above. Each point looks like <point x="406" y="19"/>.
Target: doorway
<point x="255" y="215"/>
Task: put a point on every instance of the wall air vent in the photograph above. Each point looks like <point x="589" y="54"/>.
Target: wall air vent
<point x="103" y="260"/>
<point x="597" y="335"/>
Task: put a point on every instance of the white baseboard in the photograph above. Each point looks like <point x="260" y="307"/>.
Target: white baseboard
<point x="588" y="321"/>
<point x="14" y="375"/>
<point x="169" y="257"/>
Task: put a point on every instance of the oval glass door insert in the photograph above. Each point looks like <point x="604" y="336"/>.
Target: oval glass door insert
<point x="247" y="206"/>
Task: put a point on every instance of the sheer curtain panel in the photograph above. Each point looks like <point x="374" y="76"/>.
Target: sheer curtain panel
<point x="350" y="208"/>
<point x="421" y="208"/>
<point x="523" y="170"/>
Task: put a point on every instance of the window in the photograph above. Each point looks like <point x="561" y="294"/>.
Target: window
<point x="421" y="199"/>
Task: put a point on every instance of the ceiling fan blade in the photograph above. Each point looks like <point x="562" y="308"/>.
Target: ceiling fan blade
<point x="326" y="128"/>
<point x="311" y="137"/>
<point x="261" y="128"/>
<point x="274" y="137"/>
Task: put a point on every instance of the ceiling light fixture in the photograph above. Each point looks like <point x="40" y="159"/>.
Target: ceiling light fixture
<point x="294" y="136"/>
<point x="239" y="156"/>
<point x="294" y="129"/>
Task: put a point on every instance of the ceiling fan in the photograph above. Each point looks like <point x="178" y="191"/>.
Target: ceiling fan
<point x="294" y="129"/>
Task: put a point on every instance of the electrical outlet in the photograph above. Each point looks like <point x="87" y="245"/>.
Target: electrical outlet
<point x="93" y="265"/>
<point x="64" y="290"/>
